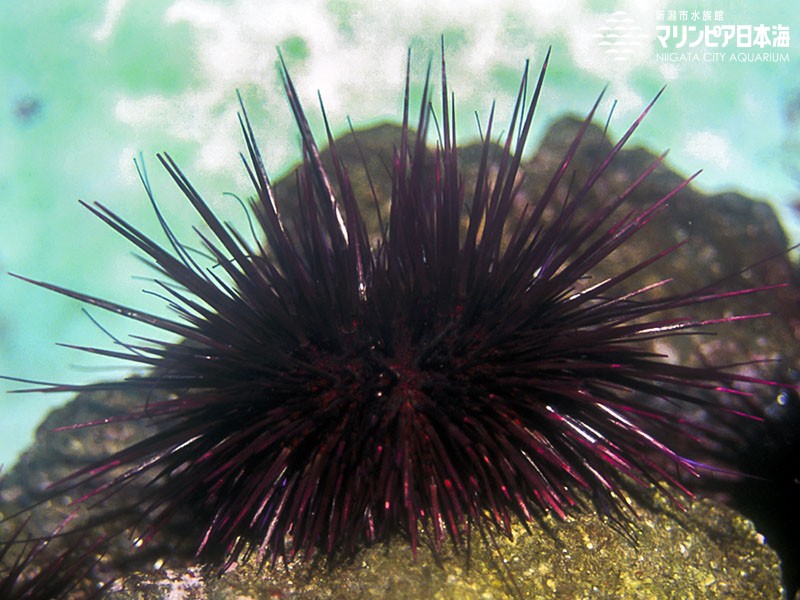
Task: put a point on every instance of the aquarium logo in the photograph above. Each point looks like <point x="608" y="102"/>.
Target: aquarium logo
<point x="702" y="36"/>
<point x="619" y="36"/>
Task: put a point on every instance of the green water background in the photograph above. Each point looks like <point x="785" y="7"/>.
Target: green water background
<point x="88" y="85"/>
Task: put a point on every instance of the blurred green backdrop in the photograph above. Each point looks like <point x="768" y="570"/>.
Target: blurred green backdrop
<point x="88" y="85"/>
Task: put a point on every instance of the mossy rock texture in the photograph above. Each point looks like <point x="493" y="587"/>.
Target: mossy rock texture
<point x="708" y="551"/>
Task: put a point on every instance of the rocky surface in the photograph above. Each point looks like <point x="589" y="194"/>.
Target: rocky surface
<point x="706" y="552"/>
<point x="725" y="234"/>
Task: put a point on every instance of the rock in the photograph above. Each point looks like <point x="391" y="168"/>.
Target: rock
<point x="708" y="551"/>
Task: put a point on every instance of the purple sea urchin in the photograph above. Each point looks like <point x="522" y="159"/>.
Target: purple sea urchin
<point x="54" y="579"/>
<point x="451" y="371"/>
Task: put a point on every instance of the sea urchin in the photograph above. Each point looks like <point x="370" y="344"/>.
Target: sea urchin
<point x="452" y="371"/>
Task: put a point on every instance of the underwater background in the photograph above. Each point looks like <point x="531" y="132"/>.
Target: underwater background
<point x="88" y="86"/>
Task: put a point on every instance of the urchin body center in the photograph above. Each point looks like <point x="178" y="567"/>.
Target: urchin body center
<point x="407" y="388"/>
